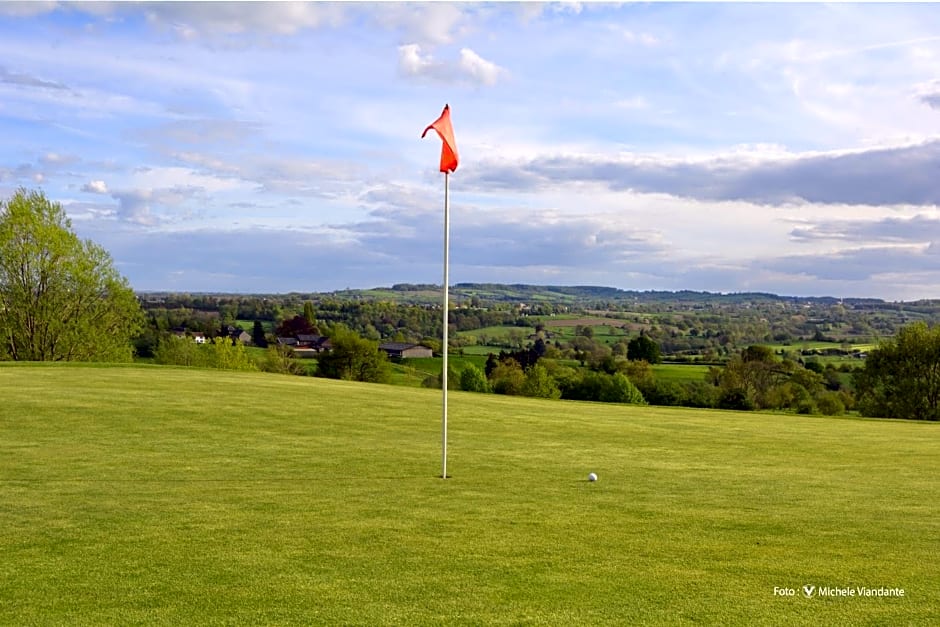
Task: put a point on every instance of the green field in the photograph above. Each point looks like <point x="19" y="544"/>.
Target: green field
<point x="680" y="372"/>
<point x="175" y="496"/>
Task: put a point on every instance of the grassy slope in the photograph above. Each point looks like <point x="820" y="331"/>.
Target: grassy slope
<point x="168" y="495"/>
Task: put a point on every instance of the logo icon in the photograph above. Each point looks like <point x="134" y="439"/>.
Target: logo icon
<point x="809" y="591"/>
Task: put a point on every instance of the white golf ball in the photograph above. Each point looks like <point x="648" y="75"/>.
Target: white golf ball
<point x="592" y="477"/>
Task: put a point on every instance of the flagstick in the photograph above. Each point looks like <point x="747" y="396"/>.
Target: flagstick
<point x="446" y="283"/>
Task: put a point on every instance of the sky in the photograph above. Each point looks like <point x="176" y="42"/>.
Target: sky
<point x="269" y="147"/>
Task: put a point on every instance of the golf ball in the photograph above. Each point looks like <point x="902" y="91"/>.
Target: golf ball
<point x="592" y="477"/>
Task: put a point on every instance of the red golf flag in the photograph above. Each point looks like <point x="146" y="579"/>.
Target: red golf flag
<point x="446" y="132"/>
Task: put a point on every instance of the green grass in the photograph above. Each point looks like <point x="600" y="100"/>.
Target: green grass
<point x="482" y="350"/>
<point x="800" y="345"/>
<point x="175" y="496"/>
<point x="680" y="372"/>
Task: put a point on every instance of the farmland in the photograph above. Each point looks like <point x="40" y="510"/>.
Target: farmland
<point x="173" y="495"/>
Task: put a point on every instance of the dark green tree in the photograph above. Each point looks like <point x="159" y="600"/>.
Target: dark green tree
<point x="257" y="335"/>
<point x="642" y="348"/>
<point x="901" y="378"/>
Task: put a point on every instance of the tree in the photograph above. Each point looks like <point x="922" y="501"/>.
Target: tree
<point x="472" y="379"/>
<point x="539" y="383"/>
<point x="298" y="325"/>
<point x="354" y="358"/>
<point x="173" y="350"/>
<point x="507" y="377"/>
<point x="618" y="389"/>
<point x="749" y="377"/>
<point x="258" y="337"/>
<point x="901" y="378"/>
<point x="279" y="358"/>
<point x="642" y="348"/>
<point x="227" y="355"/>
<point x="61" y="299"/>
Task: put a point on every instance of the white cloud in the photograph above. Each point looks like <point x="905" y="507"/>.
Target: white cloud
<point x="478" y="68"/>
<point x="95" y="187"/>
<point x="471" y="68"/>
<point x="412" y="62"/>
<point x="197" y="19"/>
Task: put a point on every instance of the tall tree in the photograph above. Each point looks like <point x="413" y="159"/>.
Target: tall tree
<point x="309" y="313"/>
<point x="901" y="378"/>
<point x="354" y="358"/>
<point x="642" y="348"/>
<point x="258" y="337"/>
<point x="61" y="298"/>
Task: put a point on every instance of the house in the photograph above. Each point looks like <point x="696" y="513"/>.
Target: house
<point x="306" y="346"/>
<point x="317" y="343"/>
<point x="402" y="350"/>
<point x="237" y="335"/>
<point x="197" y="336"/>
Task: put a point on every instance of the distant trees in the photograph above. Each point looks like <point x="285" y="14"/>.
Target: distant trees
<point x="901" y="378"/>
<point x="61" y="299"/>
<point x="756" y="378"/>
<point x="222" y="354"/>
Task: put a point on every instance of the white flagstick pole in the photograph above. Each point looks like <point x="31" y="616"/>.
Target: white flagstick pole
<point x="446" y="283"/>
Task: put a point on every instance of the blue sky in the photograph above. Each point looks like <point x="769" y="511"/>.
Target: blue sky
<point x="274" y="147"/>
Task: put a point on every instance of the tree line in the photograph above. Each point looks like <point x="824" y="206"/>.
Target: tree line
<point x="61" y="299"/>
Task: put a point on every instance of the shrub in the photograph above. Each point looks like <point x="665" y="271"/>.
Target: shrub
<point x="472" y="379"/>
<point x="830" y="404"/>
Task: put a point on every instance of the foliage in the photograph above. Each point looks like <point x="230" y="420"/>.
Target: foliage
<point x="310" y="314"/>
<point x="61" y="298"/>
<point x="354" y="358"/>
<point x="538" y="383"/>
<point x="173" y="350"/>
<point x="751" y="376"/>
<point x="279" y="358"/>
<point x="298" y="325"/>
<point x="258" y="337"/>
<point x="228" y="355"/>
<point x="830" y="404"/>
<point x="642" y="348"/>
<point x="602" y="387"/>
<point x="507" y="377"/>
<point x="472" y="379"/>
<point x="222" y="354"/>
<point x="436" y="381"/>
<point x="901" y="378"/>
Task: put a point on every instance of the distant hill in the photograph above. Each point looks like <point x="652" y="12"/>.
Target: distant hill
<point x="578" y="294"/>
